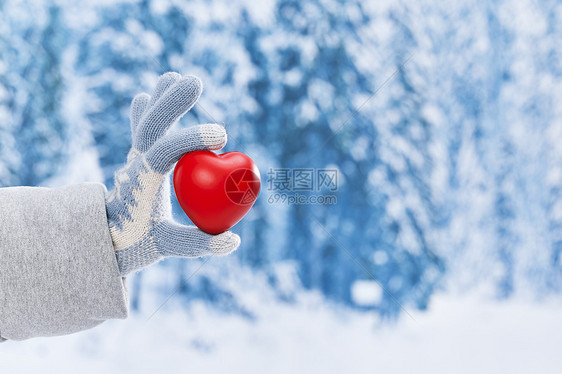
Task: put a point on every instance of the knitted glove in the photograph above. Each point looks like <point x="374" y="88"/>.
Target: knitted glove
<point x="139" y="207"/>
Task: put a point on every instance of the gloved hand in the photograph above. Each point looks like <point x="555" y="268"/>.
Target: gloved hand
<point x="139" y="208"/>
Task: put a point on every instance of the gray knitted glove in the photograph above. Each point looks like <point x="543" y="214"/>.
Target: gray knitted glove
<point x="139" y="207"/>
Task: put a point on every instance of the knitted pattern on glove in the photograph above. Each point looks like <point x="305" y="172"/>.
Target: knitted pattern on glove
<point x="139" y="208"/>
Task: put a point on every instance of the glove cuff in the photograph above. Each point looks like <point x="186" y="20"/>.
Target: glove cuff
<point x="138" y="256"/>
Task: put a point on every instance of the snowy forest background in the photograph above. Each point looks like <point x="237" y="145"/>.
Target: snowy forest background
<point x="443" y="121"/>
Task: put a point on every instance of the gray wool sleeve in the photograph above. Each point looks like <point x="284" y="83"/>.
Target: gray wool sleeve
<point x="58" y="270"/>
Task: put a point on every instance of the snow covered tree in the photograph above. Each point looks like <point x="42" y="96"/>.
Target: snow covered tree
<point x="35" y="132"/>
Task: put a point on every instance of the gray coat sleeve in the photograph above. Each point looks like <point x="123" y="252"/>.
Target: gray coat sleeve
<point x="58" y="271"/>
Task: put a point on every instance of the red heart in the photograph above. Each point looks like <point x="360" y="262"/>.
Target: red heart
<point x="216" y="191"/>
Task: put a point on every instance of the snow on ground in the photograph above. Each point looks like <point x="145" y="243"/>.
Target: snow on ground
<point x="459" y="334"/>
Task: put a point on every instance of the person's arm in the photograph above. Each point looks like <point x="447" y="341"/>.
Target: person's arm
<point x="58" y="271"/>
<point x="65" y="252"/>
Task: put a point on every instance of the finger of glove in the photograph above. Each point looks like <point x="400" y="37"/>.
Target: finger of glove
<point x="138" y="106"/>
<point x="173" y="239"/>
<point x="173" y="104"/>
<point x="143" y="100"/>
<point x="164" y="82"/>
<point x="169" y="149"/>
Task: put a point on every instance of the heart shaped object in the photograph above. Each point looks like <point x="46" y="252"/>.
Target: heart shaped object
<point x="216" y="191"/>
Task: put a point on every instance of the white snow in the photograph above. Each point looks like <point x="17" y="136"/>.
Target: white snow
<point x="366" y="293"/>
<point x="459" y="334"/>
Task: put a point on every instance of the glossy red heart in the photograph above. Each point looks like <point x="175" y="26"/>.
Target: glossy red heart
<point x="216" y="191"/>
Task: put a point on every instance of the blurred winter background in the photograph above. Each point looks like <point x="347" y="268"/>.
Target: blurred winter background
<point x="442" y="119"/>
